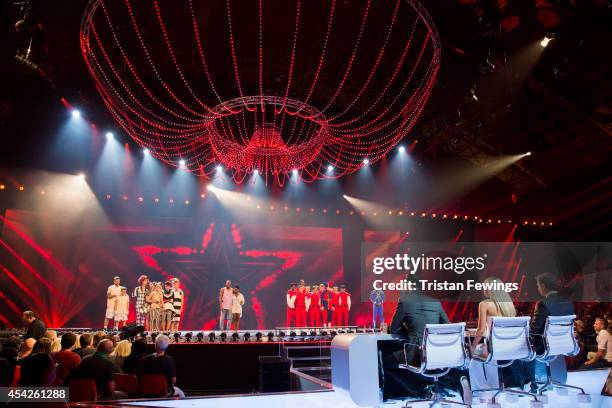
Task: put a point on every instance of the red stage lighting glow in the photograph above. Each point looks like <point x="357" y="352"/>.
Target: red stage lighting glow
<point x="263" y="118"/>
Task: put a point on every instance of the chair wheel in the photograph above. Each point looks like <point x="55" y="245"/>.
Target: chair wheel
<point x="583" y="398"/>
<point x="543" y="398"/>
<point x="561" y="391"/>
<point x="511" y="398"/>
<point x="536" y="404"/>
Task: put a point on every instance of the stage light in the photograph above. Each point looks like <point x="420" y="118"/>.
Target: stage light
<point x="295" y="172"/>
<point x="182" y="162"/>
<point x="21" y="188"/>
<point x="146" y="152"/>
<point x="171" y="201"/>
<point x="366" y="161"/>
<point x="2" y="186"/>
<point x="344" y="195"/>
<point x="42" y="192"/>
<point x="545" y="41"/>
<point x="235" y="336"/>
<point x="330" y="168"/>
<point x="140" y="199"/>
<point x="200" y="337"/>
<point x="270" y="336"/>
<point x="223" y="336"/>
<point x="528" y="154"/>
<point x="76" y="113"/>
<point x="177" y="336"/>
<point x="247" y="336"/>
<point x="186" y="202"/>
<point x="156" y="199"/>
<point x="109" y="135"/>
<point x="258" y="336"/>
<point x="188" y="337"/>
<point x="256" y="172"/>
<point x="153" y="336"/>
<point x="219" y="168"/>
<point x="203" y="195"/>
<point x="81" y="176"/>
<point x="402" y="149"/>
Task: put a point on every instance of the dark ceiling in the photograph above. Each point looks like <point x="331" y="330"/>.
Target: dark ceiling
<point x="499" y="93"/>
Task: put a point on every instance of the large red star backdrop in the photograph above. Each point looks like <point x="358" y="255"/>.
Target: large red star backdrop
<point x="284" y="88"/>
<point x="61" y="269"/>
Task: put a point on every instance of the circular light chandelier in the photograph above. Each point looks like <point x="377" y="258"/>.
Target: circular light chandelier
<point x="310" y="89"/>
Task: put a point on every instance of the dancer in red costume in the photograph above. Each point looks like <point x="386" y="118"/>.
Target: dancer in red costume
<point x="290" y="306"/>
<point x="326" y="305"/>
<point x="314" y="311"/>
<point x="300" y="307"/>
<point x="344" y="306"/>
<point x="335" y="321"/>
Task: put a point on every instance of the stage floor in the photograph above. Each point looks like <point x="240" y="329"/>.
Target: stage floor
<point x="592" y="381"/>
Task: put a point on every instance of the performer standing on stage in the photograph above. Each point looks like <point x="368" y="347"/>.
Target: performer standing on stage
<point x="300" y="307"/>
<point x="140" y="293"/>
<point x="179" y="296"/>
<point x="314" y="311"/>
<point x="112" y="293"/>
<point x="225" y="306"/>
<point x="335" y="321"/>
<point x="344" y="306"/>
<point x="167" y="306"/>
<point x="377" y="297"/>
<point x="122" y="308"/>
<point x="237" y="303"/>
<point x="327" y="308"/>
<point x="154" y="299"/>
<point x="290" y="306"/>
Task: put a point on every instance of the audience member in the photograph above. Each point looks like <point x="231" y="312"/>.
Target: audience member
<point x="97" y="338"/>
<point x="26" y="348"/>
<point x="133" y="363"/>
<point x="160" y="363"/>
<point x="122" y="350"/>
<point x="86" y="345"/>
<point x="36" y="328"/>
<point x="51" y="335"/>
<point x="99" y="368"/>
<point x="66" y="359"/>
<point x="56" y="346"/>
<point x="602" y="358"/>
<point x="38" y="370"/>
<point x="43" y="345"/>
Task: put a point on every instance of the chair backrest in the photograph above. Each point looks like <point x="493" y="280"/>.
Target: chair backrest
<point x="127" y="383"/>
<point x="16" y="376"/>
<point x="509" y="338"/>
<point x="443" y="346"/>
<point x="82" y="390"/>
<point x="153" y="385"/>
<point x="559" y="336"/>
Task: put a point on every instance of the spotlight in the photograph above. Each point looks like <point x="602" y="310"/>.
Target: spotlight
<point x="177" y="336"/>
<point x="219" y="168"/>
<point x="256" y="172"/>
<point x="182" y="162"/>
<point x="235" y="336"/>
<point x="293" y="334"/>
<point x="258" y="336"/>
<point x="82" y="176"/>
<point x="146" y="152"/>
<point x="223" y="336"/>
<point x="200" y="337"/>
<point x="76" y="113"/>
<point x="270" y="336"/>
<point x="247" y="336"/>
<point x="545" y="41"/>
<point x="295" y="172"/>
<point x="153" y="336"/>
<point x="402" y="149"/>
<point x="344" y="196"/>
<point x="330" y="168"/>
<point x="366" y="161"/>
<point x="211" y="337"/>
<point x="528" y="154"/>
<point x="109" y="135"/>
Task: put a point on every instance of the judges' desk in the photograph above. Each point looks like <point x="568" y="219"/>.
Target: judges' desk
<point x="354" y="360"/>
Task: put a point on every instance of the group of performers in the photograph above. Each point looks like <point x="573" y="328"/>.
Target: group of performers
<point x="321" y="305"/>
<point x="158" y="306"/>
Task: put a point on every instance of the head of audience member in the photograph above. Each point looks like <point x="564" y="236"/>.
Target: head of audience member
<point x="546" y="284"/>
<point x="105" y="347"/>
<point x="113" y="339"/>
<point x="161" y="344"/>
<point x="38" y="370"/>
<point x="13" y="342"/>
<point x="97" y="338"/>
<point x="228" y="284"/>
<point x="116" y="281"/>
<point x="176" y="283"/>
<point x="68" y="341"/>
<point x="56" y="345"/>
<point x="600" y="324"/>
<point x="26" y="347"/>
<point x="501" y="298"/>
<point x="51" y="334"/>
<point x="43" y="345"/>
<point x="139" y="347"/>
<point x="86" y="340"/>
<point x="123" y="348"/>
<point x="28" y="317"/>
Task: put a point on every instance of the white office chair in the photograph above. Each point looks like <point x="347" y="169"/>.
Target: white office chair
<point x="508" y="340"/>
<point x="442" y="348"/>
<point x="559" y="340"/>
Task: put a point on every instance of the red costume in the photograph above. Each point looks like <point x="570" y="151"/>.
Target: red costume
<point x="300" y="309"/>
<point x="343" y="308"/>
<point x="290" y="307"/>
<point x="314" y="312"/>
<point x="326" y="303"/>
<point x="335" y="321"/>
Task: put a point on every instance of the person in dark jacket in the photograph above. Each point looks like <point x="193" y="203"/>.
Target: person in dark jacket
<point x="36" y="327"/>
<point x="133" y="363"/>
